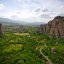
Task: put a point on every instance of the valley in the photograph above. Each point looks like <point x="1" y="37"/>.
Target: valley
<point x="21" y="44"/>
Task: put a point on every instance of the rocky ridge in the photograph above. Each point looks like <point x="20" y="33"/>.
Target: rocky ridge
<point x="54" y="28"/>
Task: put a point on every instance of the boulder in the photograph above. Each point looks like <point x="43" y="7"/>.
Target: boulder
<point x="53" y="50"/>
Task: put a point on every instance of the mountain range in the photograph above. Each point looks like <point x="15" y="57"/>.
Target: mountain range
<point x="15" y="22"/>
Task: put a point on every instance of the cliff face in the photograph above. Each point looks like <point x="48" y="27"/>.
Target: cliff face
<point x="0" y="29"/>
<point x="55" y="27"/>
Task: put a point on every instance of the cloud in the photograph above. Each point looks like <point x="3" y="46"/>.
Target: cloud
<point x="37" y="10"/>
<point x="45" y="10"/>
<point x="41" y="10"/>
<point x="13" y="16"/>
<point x="61" y="14"/>
<point x="17" y="0"/>
<point x="2" y="6"/>
<point x="25" y="14"/>
<point x="61" y="0"/>
<point x="44" y="16"/>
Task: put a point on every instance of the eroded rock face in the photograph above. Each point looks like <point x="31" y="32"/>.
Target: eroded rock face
<point x="0" y="28"/>
<point x="55" y="27"/>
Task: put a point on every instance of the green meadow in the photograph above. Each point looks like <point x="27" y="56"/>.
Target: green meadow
<point x="20" y="48"/>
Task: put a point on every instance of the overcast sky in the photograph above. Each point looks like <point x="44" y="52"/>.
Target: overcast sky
<point x="31" y="10"/>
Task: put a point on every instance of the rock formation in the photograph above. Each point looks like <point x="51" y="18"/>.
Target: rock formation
<point x="55" y="27"/>
<point x="0" y="29"/>
<point x="53" y="50"/>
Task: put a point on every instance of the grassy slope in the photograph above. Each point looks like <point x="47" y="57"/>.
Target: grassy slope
<point x="17" y="49"/>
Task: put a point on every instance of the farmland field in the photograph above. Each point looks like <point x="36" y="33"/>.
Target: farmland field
<point x="22" y="34"/>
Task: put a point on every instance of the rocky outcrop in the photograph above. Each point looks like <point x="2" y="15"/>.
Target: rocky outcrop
<point x="0" y="29"/>
<point x="55" y="27"/>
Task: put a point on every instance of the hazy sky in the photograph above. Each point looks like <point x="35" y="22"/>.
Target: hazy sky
<point x="31" y="10"/>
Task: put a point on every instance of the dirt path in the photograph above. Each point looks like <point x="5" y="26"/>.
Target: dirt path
<point x="48" y="60"/>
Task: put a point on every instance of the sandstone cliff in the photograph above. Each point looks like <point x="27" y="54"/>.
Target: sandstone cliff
<point x="55" y="27"/>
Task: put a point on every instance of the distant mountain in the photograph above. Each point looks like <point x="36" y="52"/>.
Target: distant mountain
<point x="35" y="23"/>
<point x="12" y="22"/>
<point x="9" y="21"/>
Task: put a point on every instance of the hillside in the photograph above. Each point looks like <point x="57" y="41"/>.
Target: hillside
<point x="23" y="48"/>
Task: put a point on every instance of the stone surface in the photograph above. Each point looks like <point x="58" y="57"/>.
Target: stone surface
<point x="0" y="29"/>
<point x="53" y="50"/>
<point x="55" y="27"/>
